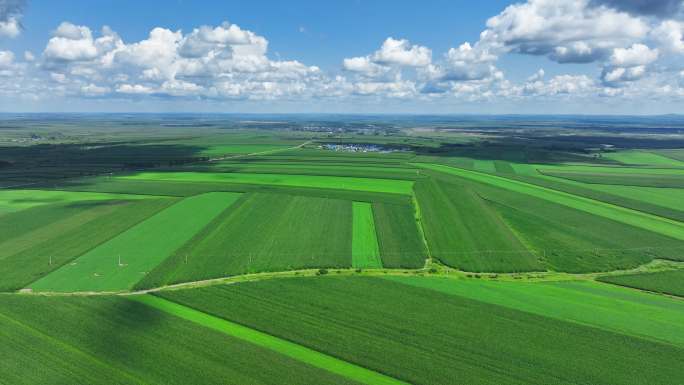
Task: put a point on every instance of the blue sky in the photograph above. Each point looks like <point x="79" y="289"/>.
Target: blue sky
<point x="343" y="56"/>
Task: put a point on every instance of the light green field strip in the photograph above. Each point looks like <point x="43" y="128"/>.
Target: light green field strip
<point x="15" y="200"/>
<point x="365" y="249"/>
<point x="608" y="307"/>
<point x="635" y="218"/>
<point x="289" y="349"/>
<point x="332" y="182"/>
<point x="140" y="248"/>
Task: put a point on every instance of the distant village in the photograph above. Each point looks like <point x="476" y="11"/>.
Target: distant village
<point x="359" y="148"/>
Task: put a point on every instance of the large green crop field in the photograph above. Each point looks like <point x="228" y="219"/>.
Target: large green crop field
<point x="464" y="231"/>
<point x="401" y="244"/>
<point x="319" y="249"/>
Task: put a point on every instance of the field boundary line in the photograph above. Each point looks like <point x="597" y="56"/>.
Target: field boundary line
<point x="290" y="349"/>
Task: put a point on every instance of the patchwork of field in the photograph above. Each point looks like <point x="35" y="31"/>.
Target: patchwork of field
<point x="112" y="340"/>
<point x="39" y="240"/>
<point x="287" y="348"/>
<point x="424" y="336"/>
<point x="664" y="226"/>
<point x="265" y="258"/>
<point x="395" y="186"/>
<point x="585" y="302"/>
<point x="666" y="282"/>
<point x="633" y="197"/>
<point x="263" y="232"/>
<point x="121" y="262"/>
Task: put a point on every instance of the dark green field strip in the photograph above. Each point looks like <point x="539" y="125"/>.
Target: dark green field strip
<point x="110" y="340"/>
<point x="609" y="307"/>
<point x="263" y="232"/>
<point x="400" y="242"/>
<point x="181" y="189"/>
<point x="643" y="180"/>
<point x="575" y="241"/>
<point x="63" y="241"/>
<point x="463" y="231"/>
<point x="666" y="282"/>
<point x="426" y="337"/>
<point x="121" y="262"/>
<point x="284" y="347"/>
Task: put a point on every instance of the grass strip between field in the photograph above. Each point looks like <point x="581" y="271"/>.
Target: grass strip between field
<point x="365" y="249"/>
<point x="631" y="217"/>
<point x="290" y="349"/>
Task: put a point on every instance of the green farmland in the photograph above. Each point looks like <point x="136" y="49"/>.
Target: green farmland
<point x="409" y="250"/>
<point x="290" y="232"/>
<point x="124" y="260"/>
<point x="447" y="333"/>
